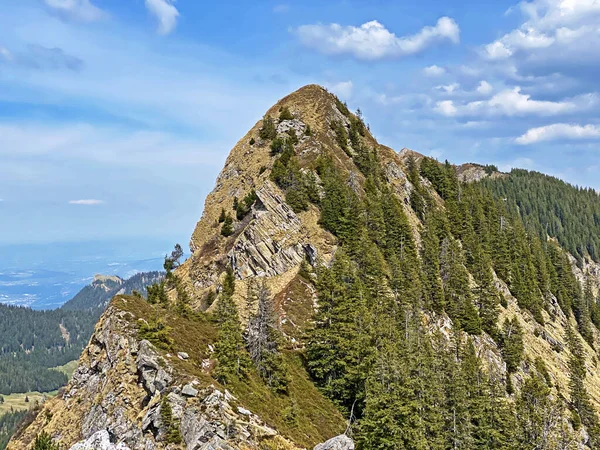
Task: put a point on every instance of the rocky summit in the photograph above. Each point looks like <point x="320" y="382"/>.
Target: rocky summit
<point x="343" y="294"/>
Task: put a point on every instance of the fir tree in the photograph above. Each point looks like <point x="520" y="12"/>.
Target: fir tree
<point x="580" y="401"/>
<point x="338" y="347"/>
<point x="512" y="344"/>
<point x="263" y="340"/>
<point x="229" y="349"/>
<point x="169" y="423"/>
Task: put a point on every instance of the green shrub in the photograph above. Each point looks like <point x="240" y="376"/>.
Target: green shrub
<point x="285" y="114"/>
<point x="268" y="130"/>
<point x="227" y="228"/>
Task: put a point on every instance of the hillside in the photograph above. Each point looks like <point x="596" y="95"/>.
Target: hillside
<point x="552" y="207"/>
<point x="338" y="286"/>
<point x="95" y="297"/>
<point x="32" y="343"/>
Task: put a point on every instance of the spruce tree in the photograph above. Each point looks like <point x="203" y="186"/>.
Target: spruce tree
<point x="580" y="401"/>
<point x="339" y="346"/>
<point x="512" y="344"/>
<point x="263" y="340"/>
<point x="229" y="348"/>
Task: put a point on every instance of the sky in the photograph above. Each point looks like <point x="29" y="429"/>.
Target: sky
<point x="117" y="115"/>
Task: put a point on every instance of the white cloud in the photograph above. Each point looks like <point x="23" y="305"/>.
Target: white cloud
<point x="89" y="202"/>
<point x="449" y="88"/>
<point x="372" y="41"/>
<point x="82" y="10"/>
<point x="559" y="131"/>
<point x="342" y="89"/>
<point x="434" y="71"/>
<point x="511" y="102"/>
<point x="446" y="108"/>
<point x="166" y="14"/>
<point x="484" y="88"/>
<point x="497" y="50"/>
<point x="555" y="36"/>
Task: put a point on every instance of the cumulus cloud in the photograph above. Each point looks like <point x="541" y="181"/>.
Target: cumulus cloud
<point x="484" y="88"/>
<point x="434" y="71"/>
<point x="88" y="202"/>
<point x="556" y="36"/>
<point x="559" y="131"/>
<point x="448" y="88"/>
<point x="446" y="108"/>
<point x="509" y="102"/>
<point x="81" y="10"/>
<point x="165" y="13"/>
<point x="342" y="89"/>
<point x="372" y="41"/>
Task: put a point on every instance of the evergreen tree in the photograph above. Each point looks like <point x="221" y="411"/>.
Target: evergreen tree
<point x="455" y="277"/>
<point x="169" y="423"/>
<point x="430" y="255"/>
<point x="263" y="340"/>
<point x="229" y="349"/>
<point x="43" y="441"/>
<point x="580" y="401"/>
<point x="512" y="344"/>
<point x="539" y="416"/>
<point x="339" y="347"/>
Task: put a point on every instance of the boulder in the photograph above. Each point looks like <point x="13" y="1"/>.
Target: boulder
<point x="341" y="442"/>
<point x="99" y="441"/>
<point x="189" y="391"/>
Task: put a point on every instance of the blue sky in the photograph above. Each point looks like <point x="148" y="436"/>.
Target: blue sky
<point x="116" y="116"/>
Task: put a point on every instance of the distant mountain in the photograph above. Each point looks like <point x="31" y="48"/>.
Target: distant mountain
<point x="33" y="342"/>
<point x="45" y="276"/>
<point x="95" y="297"/>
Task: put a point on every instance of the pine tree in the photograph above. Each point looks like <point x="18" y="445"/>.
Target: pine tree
<point x="430" y="255"/>
<point x="169" y="423"/>
<point x="455" y="277"/>
<point x="512" y="344"/>
<point x="339" y="347"/>
<point x="539" y="415"/>
<point x="580" y="401"/>
<point x="227" y="228"/>
<point x="43" y="441"/>
<point x="263" y="340"/>
<point x="229" y="349"/>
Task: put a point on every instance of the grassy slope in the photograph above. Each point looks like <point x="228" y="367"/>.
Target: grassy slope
<point x="304" y="415"/>
<point x="17" y="401"/>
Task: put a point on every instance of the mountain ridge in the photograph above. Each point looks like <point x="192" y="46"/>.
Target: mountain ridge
<point x="296" y="197"/>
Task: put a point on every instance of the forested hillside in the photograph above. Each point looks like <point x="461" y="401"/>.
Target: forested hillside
<point x="96" y="296"/>
<point x="33" y="342"/>
<point x="553" y="207"/>
<point x="424" y="309"/>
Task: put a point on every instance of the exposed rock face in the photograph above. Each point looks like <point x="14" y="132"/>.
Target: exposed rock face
<point x="341" y="442"/>
<point x="99" y="441"/>
<point x="113" y="401"/>
<point x="115" y="397"/>
<point x="272" y="243"/>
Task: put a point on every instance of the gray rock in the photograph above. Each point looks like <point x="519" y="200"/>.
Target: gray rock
<point x="341" y="442"/>
<point x="189" y="391"/>
<point x="99" y="441"/>
<point x="183" y="355"/>
<point x="152" y="376"/>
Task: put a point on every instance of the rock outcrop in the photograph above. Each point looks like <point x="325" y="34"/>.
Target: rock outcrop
<point x="118" y="395"/>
